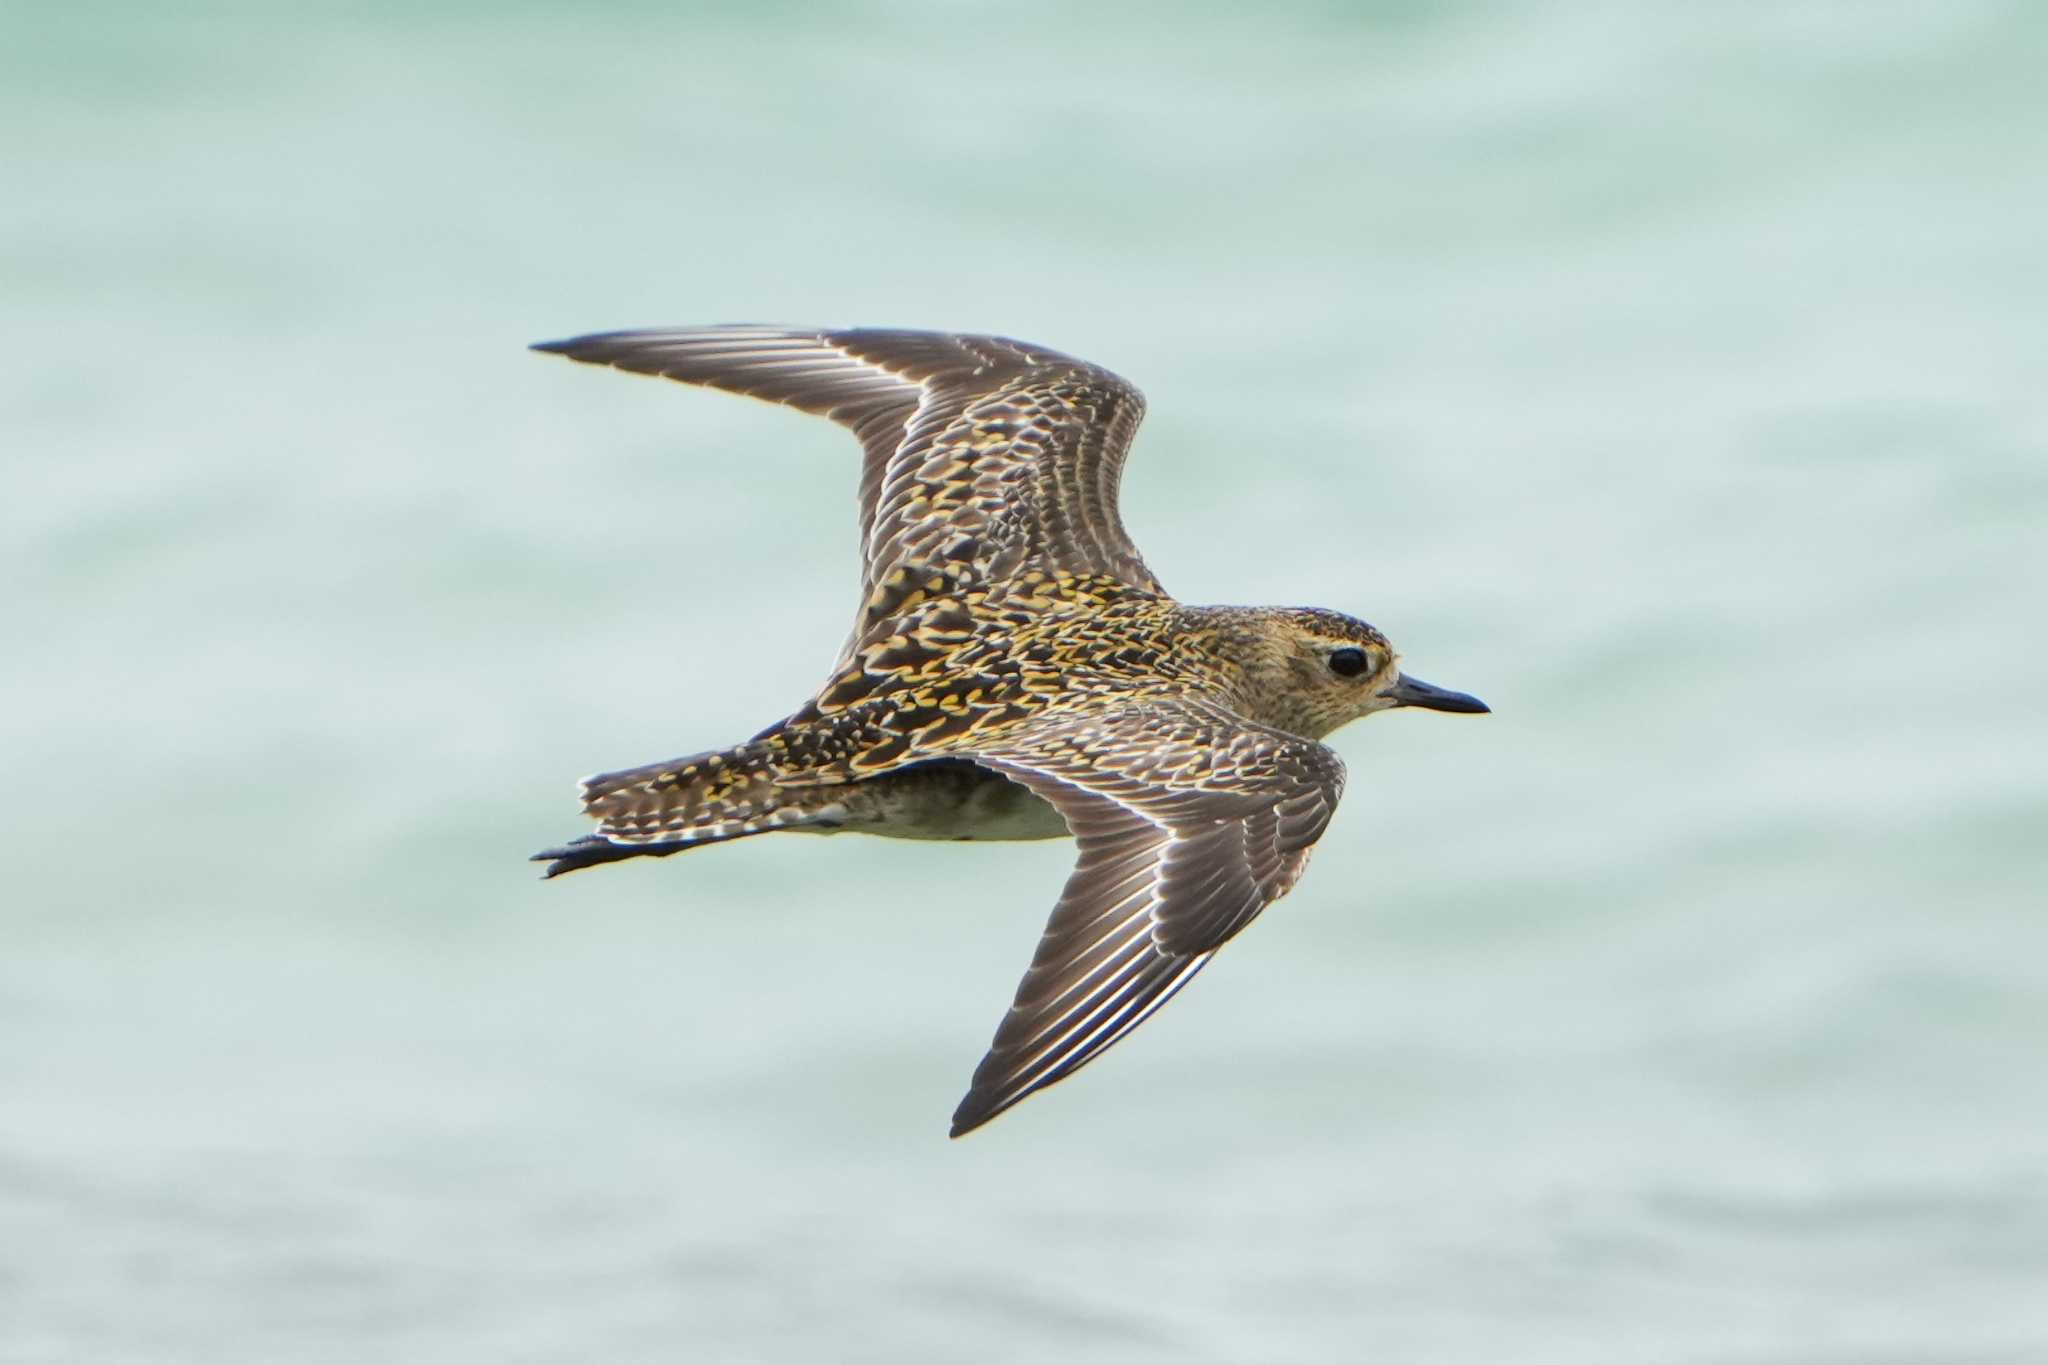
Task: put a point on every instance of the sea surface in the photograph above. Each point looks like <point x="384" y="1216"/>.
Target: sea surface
<point x="1669" y="375"/>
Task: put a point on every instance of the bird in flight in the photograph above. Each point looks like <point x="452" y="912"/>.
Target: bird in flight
<point x="1016" y="672"/>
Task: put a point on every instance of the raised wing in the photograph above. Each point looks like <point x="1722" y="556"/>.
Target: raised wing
<point x="985" y="457"/>
<point x="1190" y="821"/>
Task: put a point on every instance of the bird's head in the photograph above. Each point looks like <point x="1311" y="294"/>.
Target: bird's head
<point x="1309" y="671"/>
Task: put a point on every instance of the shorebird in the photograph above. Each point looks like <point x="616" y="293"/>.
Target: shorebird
<point x="1016" y="672"/>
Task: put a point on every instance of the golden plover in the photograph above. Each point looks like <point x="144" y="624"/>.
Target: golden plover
<point x="1016" y="672"/>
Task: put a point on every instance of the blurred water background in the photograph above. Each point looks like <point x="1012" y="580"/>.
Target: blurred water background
<point x="1668" y="375"/>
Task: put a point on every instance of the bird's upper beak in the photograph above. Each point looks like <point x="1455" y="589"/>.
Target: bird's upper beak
<point x="1408" y="691"/>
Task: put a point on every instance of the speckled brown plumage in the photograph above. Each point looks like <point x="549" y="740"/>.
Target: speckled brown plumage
<point x="1015" y="671"/>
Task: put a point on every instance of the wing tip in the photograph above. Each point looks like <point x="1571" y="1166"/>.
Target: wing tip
<point x="992" y="1093"/>
<point x="974" y="1110"/>
<point x="590" y="347"/>
<point x="588" y="343"/>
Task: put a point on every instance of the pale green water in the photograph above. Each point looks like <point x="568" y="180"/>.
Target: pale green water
<point x="1670" y="376"/>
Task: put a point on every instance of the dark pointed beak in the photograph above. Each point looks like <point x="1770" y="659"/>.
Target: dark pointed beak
<point x="1408" y="691"/>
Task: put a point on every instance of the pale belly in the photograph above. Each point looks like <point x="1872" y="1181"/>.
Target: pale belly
<point x="944" y="800"/>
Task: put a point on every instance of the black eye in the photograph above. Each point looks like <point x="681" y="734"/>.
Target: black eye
<point x="1347" y="663"/>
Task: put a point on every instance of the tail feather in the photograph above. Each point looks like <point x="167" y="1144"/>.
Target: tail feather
<point x="708" y="798"/>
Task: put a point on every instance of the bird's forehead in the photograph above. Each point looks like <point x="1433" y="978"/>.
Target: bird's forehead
<point x="1335" y="625"/>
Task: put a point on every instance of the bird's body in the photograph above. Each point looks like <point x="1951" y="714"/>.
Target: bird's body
<point x="1016" y="672"/>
